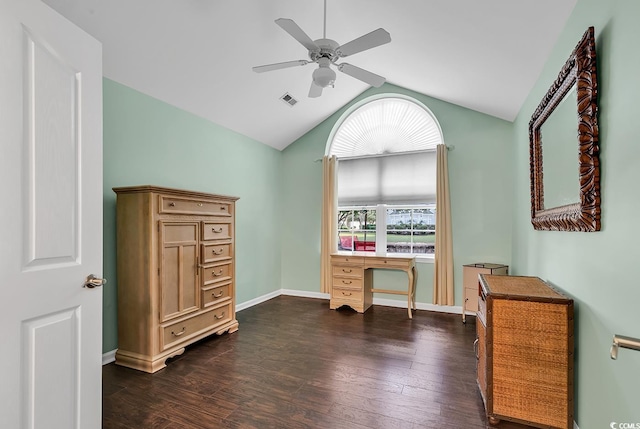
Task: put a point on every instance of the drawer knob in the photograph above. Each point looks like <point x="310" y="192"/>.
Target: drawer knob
<point x="199" y="204"/>
<point x="177" y="334"/>
<point x="346" y="282"/>
<point x="217" y="295"/>
<point x="217" y="231"/>
<point x="346" y="294"/>
<point x="172" y="204"/>
<point x="218" y="274"/>
<point x="346" y="271"/>
<point x="219" y="317"/>
<point x="223" y="208"/>
<point x="218" y="252"/>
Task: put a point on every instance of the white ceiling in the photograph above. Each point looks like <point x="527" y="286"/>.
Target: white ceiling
<point x="197" y="54"/>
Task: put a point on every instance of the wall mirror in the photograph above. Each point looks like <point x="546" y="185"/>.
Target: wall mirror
<point x="563" y="147"/>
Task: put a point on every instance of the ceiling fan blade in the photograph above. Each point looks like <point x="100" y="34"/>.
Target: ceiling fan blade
<point x="315" y="91"/>
<point x="297" y="33"/>
<point x="370" y="40"/>
<point x="361" y="74"/>
<point x="278" y="66"/>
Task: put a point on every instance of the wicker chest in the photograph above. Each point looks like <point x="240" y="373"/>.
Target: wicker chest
<point x="525" y="351"/>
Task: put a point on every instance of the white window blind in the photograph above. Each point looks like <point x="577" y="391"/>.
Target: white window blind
<point x="408" y="178"/>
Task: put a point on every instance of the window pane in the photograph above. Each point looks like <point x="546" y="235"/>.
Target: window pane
<point x="410" y="230"/>
<point x="365" y="240"/>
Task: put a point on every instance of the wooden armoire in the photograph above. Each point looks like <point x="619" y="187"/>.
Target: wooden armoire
<point x="176" y="272"/>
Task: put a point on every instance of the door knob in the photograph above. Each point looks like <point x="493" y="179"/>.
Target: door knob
<point x="93" y="281"/>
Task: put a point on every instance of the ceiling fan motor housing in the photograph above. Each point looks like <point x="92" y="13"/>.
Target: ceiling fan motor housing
<point x="327" y="50"/>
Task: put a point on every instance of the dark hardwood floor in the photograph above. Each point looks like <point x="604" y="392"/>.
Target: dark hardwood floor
<point x="296" y="364"/>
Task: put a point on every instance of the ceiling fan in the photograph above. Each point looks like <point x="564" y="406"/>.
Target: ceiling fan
<point x="325" y="52"/>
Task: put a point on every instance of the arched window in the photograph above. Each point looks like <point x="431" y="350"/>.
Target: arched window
<point x="386" y="180"/>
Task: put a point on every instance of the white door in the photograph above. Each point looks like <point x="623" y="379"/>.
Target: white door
<point x="50" y="220"/>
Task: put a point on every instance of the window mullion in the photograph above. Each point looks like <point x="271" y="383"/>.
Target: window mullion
<point x="381" y="229"/>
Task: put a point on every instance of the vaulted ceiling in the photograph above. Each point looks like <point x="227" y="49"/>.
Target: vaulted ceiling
<point x="197" y="54"/>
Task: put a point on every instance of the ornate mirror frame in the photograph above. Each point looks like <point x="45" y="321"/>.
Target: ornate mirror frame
<point x="580" y="69"/>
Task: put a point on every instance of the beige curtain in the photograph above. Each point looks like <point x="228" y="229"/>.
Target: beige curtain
<point x="329" y="241"/>
<point x="443" y="266"/>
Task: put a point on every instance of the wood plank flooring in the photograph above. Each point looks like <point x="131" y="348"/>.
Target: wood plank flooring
<point x="296" y="364"/>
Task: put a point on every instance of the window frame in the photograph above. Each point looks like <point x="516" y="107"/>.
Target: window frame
<point x="420" y="257"/>
<point x="381" y="229"/>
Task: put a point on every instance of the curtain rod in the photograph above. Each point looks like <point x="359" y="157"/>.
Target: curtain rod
<point x="449" y="148"/>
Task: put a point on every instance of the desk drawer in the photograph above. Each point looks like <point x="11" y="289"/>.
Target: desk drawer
<point x="401" y="264"/>
<point x="347" y="260"/>
<point x="347" y="283"/>
<point x="343" y="294"/>
<point x="348" y="271"/>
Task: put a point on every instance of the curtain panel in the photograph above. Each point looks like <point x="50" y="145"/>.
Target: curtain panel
<point x="443" y="261"/>
<point x="329" y="240"/>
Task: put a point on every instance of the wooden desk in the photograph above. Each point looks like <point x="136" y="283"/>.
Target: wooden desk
<point x="352" y="279"/>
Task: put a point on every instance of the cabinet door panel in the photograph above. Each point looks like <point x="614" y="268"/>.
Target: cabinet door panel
<point x="178" y="272"/>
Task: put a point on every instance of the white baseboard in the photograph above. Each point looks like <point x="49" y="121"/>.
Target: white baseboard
<point x="304" y="294"/>
<point x="258" y="300"/>
<point x="109" y="357"/>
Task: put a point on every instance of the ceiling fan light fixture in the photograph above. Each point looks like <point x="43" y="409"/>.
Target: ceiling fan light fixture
<point x="324" y="76"/>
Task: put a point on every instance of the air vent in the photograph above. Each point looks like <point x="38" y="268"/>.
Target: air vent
<point x="288" y="98"/>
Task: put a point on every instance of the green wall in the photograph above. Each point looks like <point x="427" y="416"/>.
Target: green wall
<point x="480" y="184"/>
<point x="596" y="269"/>
<point x="147" y="141"/>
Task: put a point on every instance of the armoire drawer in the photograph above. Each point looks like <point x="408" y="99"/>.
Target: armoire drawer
<point x="216" y="231"/>
<point x="185" y="329"/>
<point x="214" y="295"/>
<point x="213" y="252"/>
<point x="216" y="273"/>
<point x="177" y="205"/>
